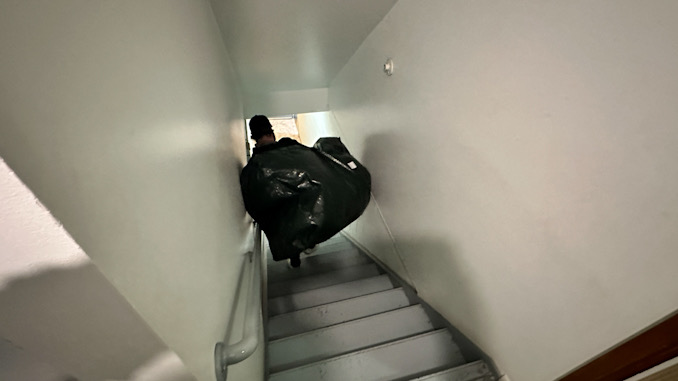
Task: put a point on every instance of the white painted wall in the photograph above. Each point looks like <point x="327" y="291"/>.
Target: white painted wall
<point x="315" y="125"/>
<point x="125" y="119"/>
<point x="524" y="155"/>
<point x="18" y="365"/>
<point x="278" y="103"/>
<point x="59" y="316"/>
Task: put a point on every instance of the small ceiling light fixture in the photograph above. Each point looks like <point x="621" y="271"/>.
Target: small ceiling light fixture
<point x="388" y="67"/>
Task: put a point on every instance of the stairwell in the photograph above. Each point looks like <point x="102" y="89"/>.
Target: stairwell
<point x="342" y="317"/>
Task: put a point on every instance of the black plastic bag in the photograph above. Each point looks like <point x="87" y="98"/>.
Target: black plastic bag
<point x="302" y="196"/>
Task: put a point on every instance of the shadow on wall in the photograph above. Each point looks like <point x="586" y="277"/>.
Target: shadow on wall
<point x="461" y="295"/>
<point x="74" y="320"/>
<point x="230" y="169"/>
<point x="18" y="365"/>
<point x="459" y="291"/>
<point x="379" y="154"/>
<point x="231" y="163"/>
<point x="432" y="263"/>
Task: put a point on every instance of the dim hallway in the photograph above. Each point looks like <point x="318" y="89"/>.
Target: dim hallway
<point x="523" y="158"/>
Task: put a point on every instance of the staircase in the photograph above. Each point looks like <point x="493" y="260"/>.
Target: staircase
<point x="342" y="317"/>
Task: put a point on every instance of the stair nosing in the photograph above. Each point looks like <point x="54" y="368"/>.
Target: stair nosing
<point x="334" y="312"/>
<point x="322" y="273"/>
<point x="348" y="245"/>
<point x="343" y="269"/>
<point x="350" y="352"/>
<point x="330" y="263"/>
<point x="371" y="294"/>
<point x="323" y="254"/>
<point x="382" y="276"/>
<point x="457" y="368"/>
<point x="376" y="347"/>
<point x="354" y="321"/>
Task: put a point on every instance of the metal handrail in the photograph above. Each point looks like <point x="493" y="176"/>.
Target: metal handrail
<point x="225" y="355"/>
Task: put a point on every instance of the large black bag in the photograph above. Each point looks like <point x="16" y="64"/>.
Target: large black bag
<point x="302" y="196"/>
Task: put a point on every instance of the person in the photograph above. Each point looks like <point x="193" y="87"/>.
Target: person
<point x="301" y="196"/>
<point x="262" y="133"/>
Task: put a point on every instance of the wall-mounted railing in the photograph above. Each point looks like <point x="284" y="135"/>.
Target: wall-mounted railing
<point x="224" y="354"/>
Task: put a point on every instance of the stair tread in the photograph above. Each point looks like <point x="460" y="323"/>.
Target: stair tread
<point x="307" y="283"/>
<point x="350" y="336"/>
<point x="329" y="294"/>
<point x="317" y="264"/>
<point x="333" y="245"/>
<point x="333" y="313"/>
<point x="474" y="371"/>
<point x="336" y="243"/>
<point x="405" y="358"/>
<point x="335" y="239"/>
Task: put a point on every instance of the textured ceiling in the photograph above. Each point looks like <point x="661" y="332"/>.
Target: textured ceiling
<point x="294" y="44"/>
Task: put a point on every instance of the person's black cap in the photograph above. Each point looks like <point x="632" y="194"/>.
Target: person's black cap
<point x="260" y="126"/>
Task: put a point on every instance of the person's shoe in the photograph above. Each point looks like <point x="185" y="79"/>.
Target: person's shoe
<point x="294" y="263"/>
<point x="311" y="250"/>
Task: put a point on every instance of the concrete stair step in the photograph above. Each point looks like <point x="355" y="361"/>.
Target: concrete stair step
<point x="325" y="315"/>
<point x="474" y="371"/>
<point x="400" y="360"/>
<point x="346" y="274"/>
<point x="338" y="238"/>
<point x="351" y="336"/>
<point x="316" y="264"/>
<point x="316" y="297"/>
<point x="336" y="243"/>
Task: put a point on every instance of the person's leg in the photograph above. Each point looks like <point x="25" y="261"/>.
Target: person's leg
<point x="294" y="261"/>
